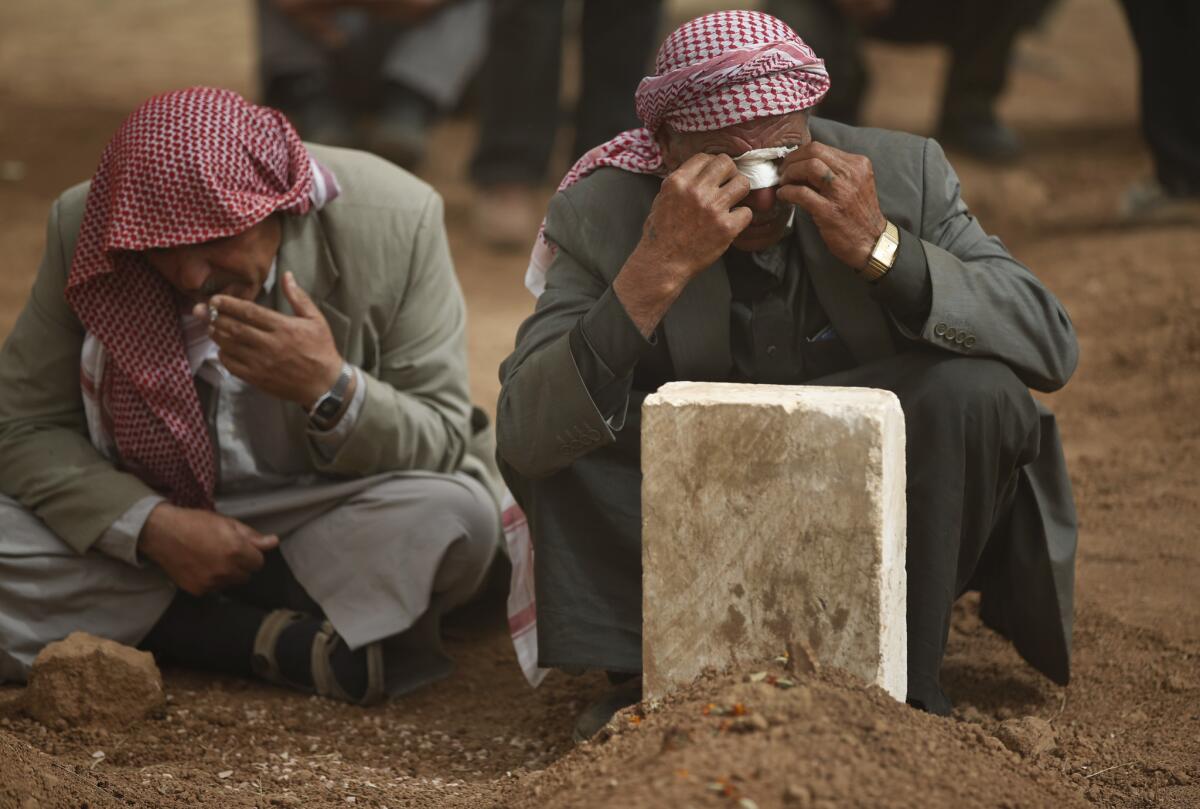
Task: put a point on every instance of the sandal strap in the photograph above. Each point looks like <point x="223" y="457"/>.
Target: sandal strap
<point x="263" y="660"/>
<point x="325" y="681"/>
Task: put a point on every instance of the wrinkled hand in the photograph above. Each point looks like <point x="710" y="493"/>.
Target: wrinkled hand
<point x="691" y="224"/>
<point x="292" y="358"/>
<point x="202" y="551"/>
<point x="693" y="219"/>
<point x="837" y="189"/>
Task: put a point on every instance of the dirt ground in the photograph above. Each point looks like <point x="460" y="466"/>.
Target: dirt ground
<point x="1125" y="733"/>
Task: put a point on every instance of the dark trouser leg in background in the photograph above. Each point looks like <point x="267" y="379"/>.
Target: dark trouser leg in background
<point x="1167" y="33"/>
<point x="618" y="40"/>
<point x="518" y="114"/>
<point x="971" y="424"/>
<point x="981" y="35"/>
<point x="836" y="40"/>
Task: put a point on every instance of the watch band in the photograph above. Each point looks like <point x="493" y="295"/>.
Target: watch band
<point x="330" y="403"/>
<point x="883" y="255"/>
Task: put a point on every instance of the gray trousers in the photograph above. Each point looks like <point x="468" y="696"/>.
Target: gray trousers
<point x="436" y="57"/>
<point x="382" y="556"/>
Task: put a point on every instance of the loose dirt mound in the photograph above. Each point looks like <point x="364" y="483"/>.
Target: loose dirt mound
<point x="30" y="780"/>
<point x="767" y="739"/>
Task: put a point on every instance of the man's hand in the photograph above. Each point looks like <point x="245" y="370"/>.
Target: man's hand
<point x="293" y="358"/>
<point x="837" y="189"/>
<point x="691" y="224"/>
<point x="202" y="551"/>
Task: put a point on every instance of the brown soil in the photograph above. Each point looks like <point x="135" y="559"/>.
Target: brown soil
<point x="1126" y="732"/>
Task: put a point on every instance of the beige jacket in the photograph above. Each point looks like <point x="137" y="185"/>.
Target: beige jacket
<point x="377" y="263"/>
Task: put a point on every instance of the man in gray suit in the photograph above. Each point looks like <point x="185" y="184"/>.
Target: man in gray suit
<point x="850" y="260"/>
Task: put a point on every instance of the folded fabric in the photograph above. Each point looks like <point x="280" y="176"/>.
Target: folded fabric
<point x="761" y="166"/>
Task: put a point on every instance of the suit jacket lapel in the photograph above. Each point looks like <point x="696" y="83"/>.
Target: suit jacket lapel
<point x="856" y="317"/>
<point x="697" y="327"/>
<point x="304" y="251"/>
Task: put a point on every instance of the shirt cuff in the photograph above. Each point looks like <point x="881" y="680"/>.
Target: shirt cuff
<point x="606" y="346"/>
<point x="906" y="289"/>
<point x="121" y="539"/>
<point x="329" y="442"/>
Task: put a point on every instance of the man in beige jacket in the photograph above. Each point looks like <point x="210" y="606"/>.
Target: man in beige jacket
<point x="234" y="415"/>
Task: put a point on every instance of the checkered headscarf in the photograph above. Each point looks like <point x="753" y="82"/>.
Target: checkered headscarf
<point x="718" y="70"/>
<point x="185" y="167"/>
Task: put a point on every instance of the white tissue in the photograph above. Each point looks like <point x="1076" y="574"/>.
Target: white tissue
<point x="761" y="166"/>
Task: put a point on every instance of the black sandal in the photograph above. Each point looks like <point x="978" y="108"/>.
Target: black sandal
<point x="325" y="683"/>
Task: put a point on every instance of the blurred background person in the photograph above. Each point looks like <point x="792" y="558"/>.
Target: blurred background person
<point x="979" y="33"/>
<point x="519" y="109"/>
<point x="398" y="63"/>
<point x="1167" y="33"/>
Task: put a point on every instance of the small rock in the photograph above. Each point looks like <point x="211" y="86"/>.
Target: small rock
<point x="1177" y="683"/>
<point x="797" y="795"/>
<point x="749" y="724"/>
<point x="969" y="713"/>
<point x="675" y="738"/>
<point x="89" y="681"/>
<point x="1136" y="717"/>
<point x="1029" y="736"/>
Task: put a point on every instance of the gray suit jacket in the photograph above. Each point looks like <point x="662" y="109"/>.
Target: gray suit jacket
<point x="991" y="303"/>
<point x="376" y="262"/>
<point x="984" y="303"/>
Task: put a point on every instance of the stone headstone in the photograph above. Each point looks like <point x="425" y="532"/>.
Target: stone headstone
<point x="773" y="517"/>
<point x="86" y="680"/>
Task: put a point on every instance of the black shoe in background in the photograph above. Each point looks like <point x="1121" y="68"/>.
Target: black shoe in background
<point x="985" y="139"/>
<point x="600" y="712"/>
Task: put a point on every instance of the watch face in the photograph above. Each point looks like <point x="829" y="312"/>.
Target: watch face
<point x="328" y="408"/>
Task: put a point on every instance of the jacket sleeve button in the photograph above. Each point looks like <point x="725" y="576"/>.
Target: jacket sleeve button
<point x="939" y="329"/>
<point x="970" y="341"/>
<point x="951" y="332"/>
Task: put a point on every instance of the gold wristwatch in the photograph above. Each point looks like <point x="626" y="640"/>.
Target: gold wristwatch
<point x="883" y="255"/>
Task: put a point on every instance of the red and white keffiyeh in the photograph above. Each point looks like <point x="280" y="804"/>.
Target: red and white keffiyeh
<point x="186" y="167"/>
<point x="716" y="71"/>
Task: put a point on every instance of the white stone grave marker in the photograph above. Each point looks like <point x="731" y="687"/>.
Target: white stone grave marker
<point x="772" y="514"/>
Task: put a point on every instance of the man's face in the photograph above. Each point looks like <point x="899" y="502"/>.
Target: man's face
<point x="237" y="265"/>
<point x="770" y="215"/>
